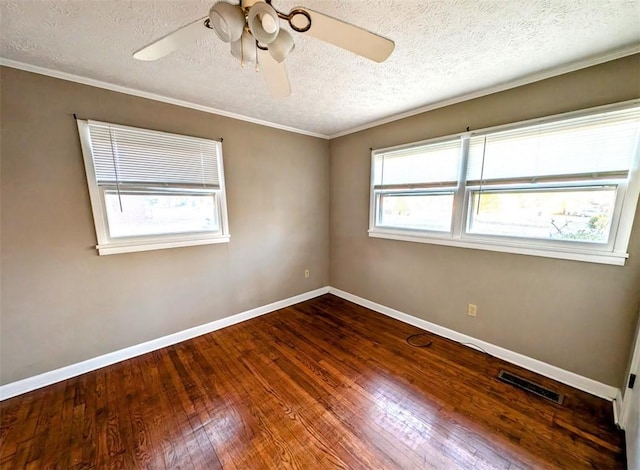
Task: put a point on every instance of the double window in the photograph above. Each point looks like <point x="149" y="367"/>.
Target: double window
<point x="152" y="190"/>
<point x="564" y="187"/>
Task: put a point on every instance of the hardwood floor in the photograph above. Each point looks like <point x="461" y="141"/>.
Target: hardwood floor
<point x="322" y="384"/>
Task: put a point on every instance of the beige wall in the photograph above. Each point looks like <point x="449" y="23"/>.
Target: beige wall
<point x="62" y="303"/>
<point x="577" y="316"/>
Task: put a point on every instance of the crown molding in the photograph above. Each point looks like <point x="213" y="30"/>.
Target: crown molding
<point x="151" y="96"/>
<point x="535" y="77"/>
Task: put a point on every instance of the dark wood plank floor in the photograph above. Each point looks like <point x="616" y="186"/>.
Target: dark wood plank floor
<point x="323" y="384"/>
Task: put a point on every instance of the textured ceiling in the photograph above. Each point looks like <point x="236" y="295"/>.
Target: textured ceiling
<point x="444" y="49"/>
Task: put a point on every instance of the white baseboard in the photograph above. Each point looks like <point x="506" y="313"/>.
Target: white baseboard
<point x="617" y="410"/>
<point x="42" y="380"/>
<point x="569" y="378"/>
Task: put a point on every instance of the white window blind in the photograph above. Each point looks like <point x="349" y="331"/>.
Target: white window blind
<point x="126" y="155"/>
<point x="420" y="167"/>
<point x="600" y="146"/>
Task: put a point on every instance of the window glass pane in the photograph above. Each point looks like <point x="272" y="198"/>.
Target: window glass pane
<point x="577" y="214"/>
<point x="157" y="214"/>
<point x="416" y="211"/>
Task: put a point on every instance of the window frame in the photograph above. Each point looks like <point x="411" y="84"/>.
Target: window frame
<point x="613" y="252"/>
<point x="108" y="245"/>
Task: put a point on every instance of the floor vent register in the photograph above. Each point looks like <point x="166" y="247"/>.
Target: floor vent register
<point x="531" y="387"/>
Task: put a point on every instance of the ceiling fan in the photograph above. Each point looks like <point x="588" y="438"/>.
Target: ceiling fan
<point x="253" y="29"/>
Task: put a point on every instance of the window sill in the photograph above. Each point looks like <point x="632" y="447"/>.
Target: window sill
<point x="616" y="259"/>
<point x="129" y="247"/>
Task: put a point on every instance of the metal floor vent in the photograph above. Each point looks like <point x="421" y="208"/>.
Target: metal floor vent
<point x="532" y="387"/>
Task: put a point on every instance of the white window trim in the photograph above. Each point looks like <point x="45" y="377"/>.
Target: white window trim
<point x="615" y="253"/>
<point x="107" y="246"/>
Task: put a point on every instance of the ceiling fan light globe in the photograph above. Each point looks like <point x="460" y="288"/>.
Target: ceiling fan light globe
<point x="244" y="49"/>
<point x="269" y="24"/>
<point x="263" y="22"/>
<point x="227" y="21"/>
<point x="282" y="46"/>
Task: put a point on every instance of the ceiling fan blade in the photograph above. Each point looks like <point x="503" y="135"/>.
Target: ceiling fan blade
<point x="275" y="74"/>
<point x="173" y="41"/>
<point x="345" y="35"/>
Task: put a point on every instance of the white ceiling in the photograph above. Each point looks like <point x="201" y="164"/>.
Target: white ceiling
<point x="444" y="49"/>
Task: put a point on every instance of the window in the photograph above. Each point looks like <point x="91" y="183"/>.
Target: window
<point x="151" y="190"/>
<point x="563" y="187"/>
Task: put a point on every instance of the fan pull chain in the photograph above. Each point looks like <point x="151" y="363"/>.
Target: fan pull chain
<point x="257" y="63"/>
<point x="241" y="52"/>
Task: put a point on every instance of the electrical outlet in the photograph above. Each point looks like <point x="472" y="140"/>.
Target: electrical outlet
<point x="307" y="273"/>
<point x="472" y="310"/>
